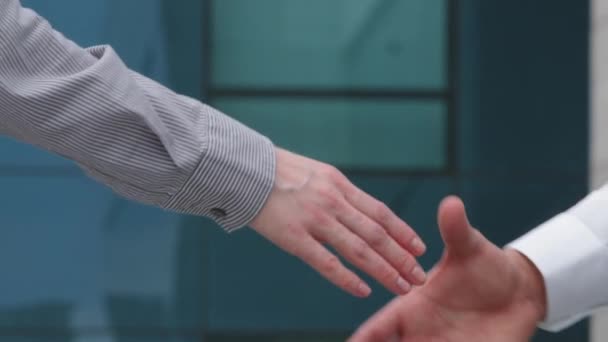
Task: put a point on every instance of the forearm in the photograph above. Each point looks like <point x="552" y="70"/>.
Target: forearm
<point x="136" y="136"/>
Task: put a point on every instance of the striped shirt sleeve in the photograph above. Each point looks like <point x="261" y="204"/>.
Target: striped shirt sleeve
<point x="134" y="135"/>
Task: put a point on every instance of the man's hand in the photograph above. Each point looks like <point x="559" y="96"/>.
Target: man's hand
<point x="477" y="292"/>
<point x="312" y="203"/>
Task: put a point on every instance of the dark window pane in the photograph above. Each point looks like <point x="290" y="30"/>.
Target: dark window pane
<point x="329" y="44"/>
<point x="279" y="338"/>
<point x="400" y="134"/>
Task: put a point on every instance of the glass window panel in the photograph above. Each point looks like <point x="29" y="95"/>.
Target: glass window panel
<point x="291" y="297"/>
<point x="94" y="261"/>
<point x="19" y="154"/>
<point x="37" y="337"/>
<point x="350" y="133"/>
<point x="279" y="338"/>
<point x="107" y="265"/>
<point x="332" y="44"/>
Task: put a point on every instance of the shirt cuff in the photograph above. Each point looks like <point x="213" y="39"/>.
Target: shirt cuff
<point x="570" y="257"/>
<point x="234" y="177"/>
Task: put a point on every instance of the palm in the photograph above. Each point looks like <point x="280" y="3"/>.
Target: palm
<point x="475" y="293"/>
<point x="446" y="311"/>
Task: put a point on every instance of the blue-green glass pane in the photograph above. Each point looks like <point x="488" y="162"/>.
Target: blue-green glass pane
<point x="33" y="337"/>
<point x="18" y="154"/>
<point x="278" y="337"/>
<point x="156" y="336"/>
<point x="105" y="263"/>
<point x="256" y="289"/>
<point x="81" y="264"/>
<point x="333" y="44"/>
<point x="398" y="134"/>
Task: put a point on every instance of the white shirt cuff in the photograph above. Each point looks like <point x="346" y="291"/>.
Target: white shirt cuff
<point x="574" y="264"/>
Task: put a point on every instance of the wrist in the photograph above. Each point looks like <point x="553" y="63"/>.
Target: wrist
<point x="531" y="284"/>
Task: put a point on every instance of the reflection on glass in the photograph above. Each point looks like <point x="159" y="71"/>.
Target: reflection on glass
<point x="329" y="44"/>
<point x="350" y="133"/>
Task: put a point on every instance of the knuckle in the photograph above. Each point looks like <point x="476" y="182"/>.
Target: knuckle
<point x="295" y="234"/>
<point x="360" y="250"/>
<point x="383" y="213"/>
<point x="358" y="220"/>
<point x="331" y="199"/>
<point x="321" y="219"/>
<point x="331" y="172"/>
<point x="406" y="262"/>
<point x="295" y="241"/>
<point x="378" y="237"/>
<point x="388" y="275"/>
<point x="335" y="176"/>
<point x="331" y="265"/>
<point x="339" y="178"/>
<point x="333" y="202"/>
<point x="354" y="194"/>
<point x="318" y="217"/>
<point x="351" y="283"/>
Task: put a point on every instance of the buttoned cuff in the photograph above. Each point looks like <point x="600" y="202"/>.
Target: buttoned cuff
<point x="234" y="177"/>
<point x="570" y="258"/>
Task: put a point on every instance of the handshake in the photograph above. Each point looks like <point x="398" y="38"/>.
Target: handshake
<point x="477" y="292"/>
<point x="555" y="274"/>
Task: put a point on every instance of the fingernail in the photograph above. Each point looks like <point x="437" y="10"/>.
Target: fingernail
<point x="418" y="246"/>
<point x="403" y="285"/>
<point x="419" y="274"/>
<point x="364" y="290"/>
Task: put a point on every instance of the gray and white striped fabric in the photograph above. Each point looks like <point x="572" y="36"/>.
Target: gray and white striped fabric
<point x="144" y="141"/>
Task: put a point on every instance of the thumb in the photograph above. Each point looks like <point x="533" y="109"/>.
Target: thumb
<point x="456" y="231"/>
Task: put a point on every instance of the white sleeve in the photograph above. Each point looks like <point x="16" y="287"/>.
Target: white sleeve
<point x="571" y="252"/>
